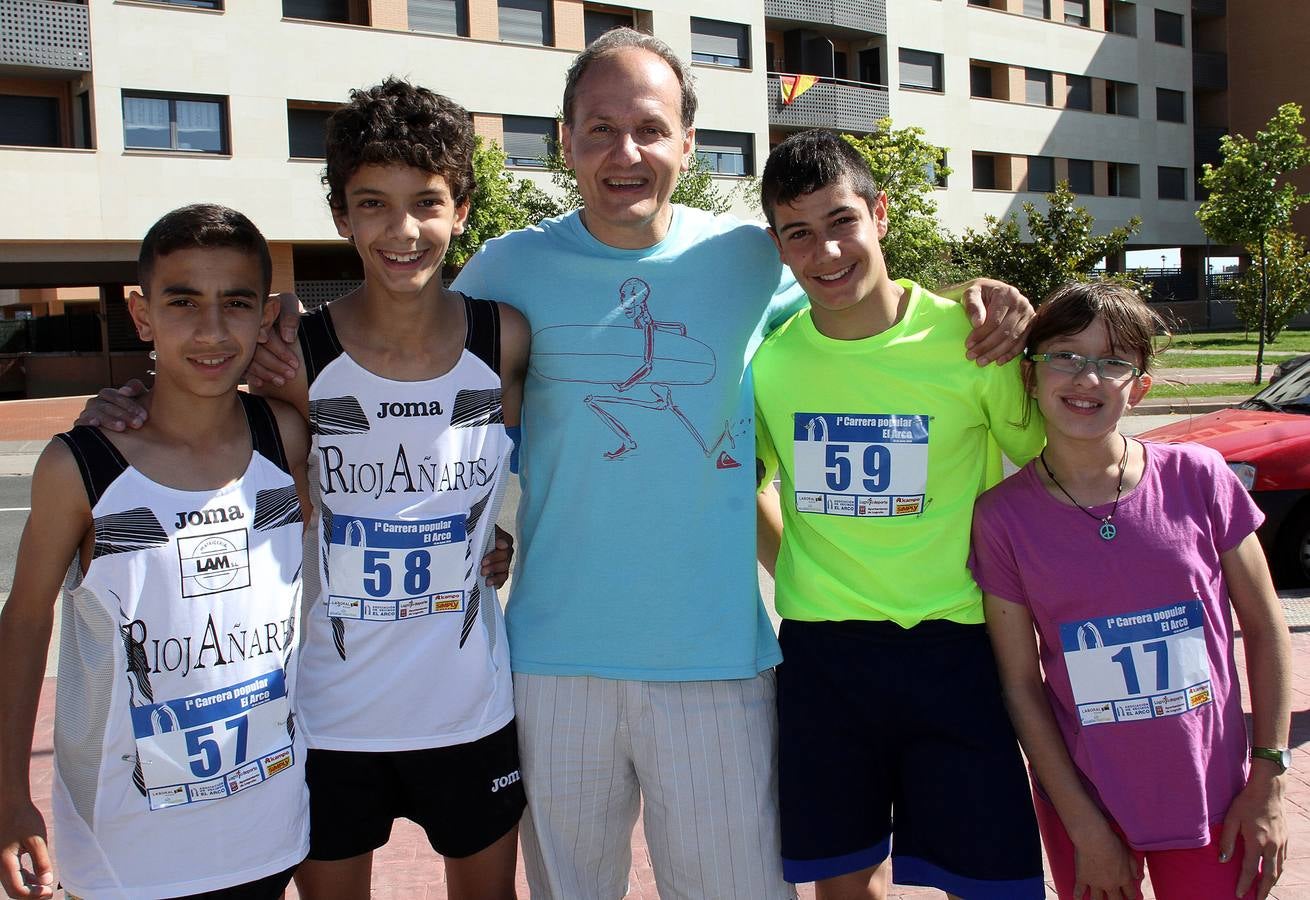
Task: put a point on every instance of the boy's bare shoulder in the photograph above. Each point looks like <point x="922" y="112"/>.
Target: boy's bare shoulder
<point x="293" y="428"/>
<point x="57" y="480"/>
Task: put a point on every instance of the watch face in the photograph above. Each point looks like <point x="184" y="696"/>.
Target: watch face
<point x="1287" y="760"/>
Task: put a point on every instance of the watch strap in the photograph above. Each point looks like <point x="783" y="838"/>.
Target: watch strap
<point x="1280" y="758"/>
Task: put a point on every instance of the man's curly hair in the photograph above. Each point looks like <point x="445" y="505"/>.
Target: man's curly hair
<point x="398" y="123"/>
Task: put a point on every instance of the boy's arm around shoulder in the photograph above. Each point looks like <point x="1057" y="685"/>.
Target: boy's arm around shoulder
<point x="59" y="522"/>
<point x="292" y="390"/>
<point x="1257" y="811"/>
<point x="515" y="346"/>
<point x="1012" y="416"/>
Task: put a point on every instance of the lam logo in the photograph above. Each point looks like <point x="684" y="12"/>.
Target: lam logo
<point x="214" y="562"/>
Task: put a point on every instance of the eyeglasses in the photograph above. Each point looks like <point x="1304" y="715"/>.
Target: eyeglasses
<point x="1107" y="369"/>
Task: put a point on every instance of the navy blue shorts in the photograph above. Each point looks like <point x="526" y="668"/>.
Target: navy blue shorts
<point x="270" y="887"/>
<point x="466" y="797"/>
<point x="896" y="741"/>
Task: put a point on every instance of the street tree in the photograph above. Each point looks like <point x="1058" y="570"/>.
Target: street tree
<point x="908" y="169"/>
<point x="1061" y="245"/>
<point x="1288" y="280"/>
<point x="500" y="203"/>
<point x="1250" y="195"/>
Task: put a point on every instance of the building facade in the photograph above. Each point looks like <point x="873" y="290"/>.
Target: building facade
<point x="115" y="111"/>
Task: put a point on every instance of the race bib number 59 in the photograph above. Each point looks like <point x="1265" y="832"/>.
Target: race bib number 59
<point x="860" y="464"/>
<point x="1141" y="665"/>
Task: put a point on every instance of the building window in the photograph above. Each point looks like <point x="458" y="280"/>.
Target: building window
<point x="1081" y="179"/>
<point x="528" y="140"/>
<point x="307" y="130"/>
<point x="1168" y="28"/>
<point x="1120" y="98"/>
<point x="1075" y="12"/>
<point x="980" y="81"/>
<point x="194" y="4"/>
<point x="1121" y="17"/>
<point x="720" y="43"/>
<point x="174" y="122"/>
<point x="317" y="10"/>
<point x="1173" y="183"/>
<point x="935" y="173"/>
<point x="525" y="22"/>
<point x="1078" y="93"/>
<point x="1169" y="105"/>
<point x="29" y="121"/>
<point x="1037" y="9"/>
<point x="439" y="16"/>
<point x="984" y="172"/>
<point x="725" y="152"/>
<point x="1041" y="174"/>
<point x="596" y="22"/>
<point x="1037" y="87"/>
<point x="1124" y="180"/>
<point x="921" y="70"/>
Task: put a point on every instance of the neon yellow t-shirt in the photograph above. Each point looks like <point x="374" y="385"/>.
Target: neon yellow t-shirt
<point x="883" y="444"/>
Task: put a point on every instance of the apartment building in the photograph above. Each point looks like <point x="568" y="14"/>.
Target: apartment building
<point x="114" y="111"/>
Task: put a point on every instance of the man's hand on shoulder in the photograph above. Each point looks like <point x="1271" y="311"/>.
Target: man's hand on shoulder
<point x="1001" y="317"/>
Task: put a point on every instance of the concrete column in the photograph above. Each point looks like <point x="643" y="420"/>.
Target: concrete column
<point x="1057" y="10"/>
<point x="484" y="20"/>
<point x="1098" y="95"/>
<point x="1061" y="169"/>
<point x="570" y="32"/>
<point x="489" y="128"/>
<point x="392" y="15"/>
<point x="284" y="269"/>
<point x="1101" y="178"/>
<point x="1012" y="173"/>
<point x="1016" y="89"/>
<point x="1014" y="6"/>
<point x="1059" y="90"/>
<point x="1096" y="15"/>
<point x="1193" y="265"/>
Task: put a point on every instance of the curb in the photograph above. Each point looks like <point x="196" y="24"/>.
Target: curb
<point x="1185" y="406"/>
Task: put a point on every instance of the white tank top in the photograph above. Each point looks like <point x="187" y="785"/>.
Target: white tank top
<point x="178" y="769"/>
<point x="404" y="645"/>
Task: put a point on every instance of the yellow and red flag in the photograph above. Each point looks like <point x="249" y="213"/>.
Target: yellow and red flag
<point x="793" y="86"/>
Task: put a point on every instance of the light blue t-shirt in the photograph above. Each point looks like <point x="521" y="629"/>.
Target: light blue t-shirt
<point x="636" y="553"/>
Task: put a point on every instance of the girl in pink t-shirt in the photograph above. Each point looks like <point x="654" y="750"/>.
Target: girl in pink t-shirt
<point x="1110" y="569"/>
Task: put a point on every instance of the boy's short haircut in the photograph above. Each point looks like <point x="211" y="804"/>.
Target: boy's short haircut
<point x="203" y="226"/>
<point x="612" y="42"/>
<point x="396" y="123"/>
<point x="808" y="161"/>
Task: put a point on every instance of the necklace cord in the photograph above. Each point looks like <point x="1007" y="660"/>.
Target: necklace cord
<point x="1123" y="465"/>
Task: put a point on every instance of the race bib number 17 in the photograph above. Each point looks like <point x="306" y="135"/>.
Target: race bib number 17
<point x="1141" y="665"/>
<point x="860" y="464"/>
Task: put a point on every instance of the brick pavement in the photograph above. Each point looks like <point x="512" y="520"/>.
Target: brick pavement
<point x="407" y="868"/>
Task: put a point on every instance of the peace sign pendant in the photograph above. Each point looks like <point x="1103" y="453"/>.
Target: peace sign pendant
<point x="1108" y="531"/>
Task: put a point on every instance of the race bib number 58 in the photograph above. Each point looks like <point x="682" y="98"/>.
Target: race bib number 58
<point x="1141" y="665"/>
<point x="389" y="571"/>
<point x="860" y="464"/>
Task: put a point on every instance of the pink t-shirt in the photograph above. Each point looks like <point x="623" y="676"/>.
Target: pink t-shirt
<point x="1136" y="634"/>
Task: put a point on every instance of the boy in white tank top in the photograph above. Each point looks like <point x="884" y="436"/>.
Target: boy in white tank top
<point x="178" y="768"/>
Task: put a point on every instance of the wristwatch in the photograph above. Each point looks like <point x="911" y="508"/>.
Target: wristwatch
<point x="1280" y="758"/>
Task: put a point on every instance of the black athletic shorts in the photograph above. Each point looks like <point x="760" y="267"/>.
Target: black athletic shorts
<point x="465" y="797"/>
<point x="268" y="888"/>
<point x="897" y="740"/>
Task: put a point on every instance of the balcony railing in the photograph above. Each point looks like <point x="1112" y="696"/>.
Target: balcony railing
<point x="45" y="34"/>
<point x="1210" y="70"/>
<point x="854" y="106"/>
<point x="869" y="16"/>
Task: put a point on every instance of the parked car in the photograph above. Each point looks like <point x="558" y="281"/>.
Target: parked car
<point x="1287" y="365"/>
<point x="1266" y="441"/>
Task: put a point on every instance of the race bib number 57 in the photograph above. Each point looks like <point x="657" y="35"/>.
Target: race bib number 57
<point x="1141" y="665"/>
<point x="860" y="464"/>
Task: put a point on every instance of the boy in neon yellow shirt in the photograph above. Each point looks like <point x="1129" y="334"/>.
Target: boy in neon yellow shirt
<point x="883" y="437"/>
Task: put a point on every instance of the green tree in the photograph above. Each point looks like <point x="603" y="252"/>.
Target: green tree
<point x="906" y="167"/>
<point x="1062" y="246"/>
<point x="500" y="203"/>
<point x="1288" y="280"/>
<point x="1250" y="196"/>
<point x="695" y="186"/>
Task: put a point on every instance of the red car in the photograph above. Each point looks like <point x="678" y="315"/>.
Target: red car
<point x="1266" y="441"/>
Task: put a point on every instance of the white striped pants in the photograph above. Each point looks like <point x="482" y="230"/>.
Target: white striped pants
<point x="702" y="755"/>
